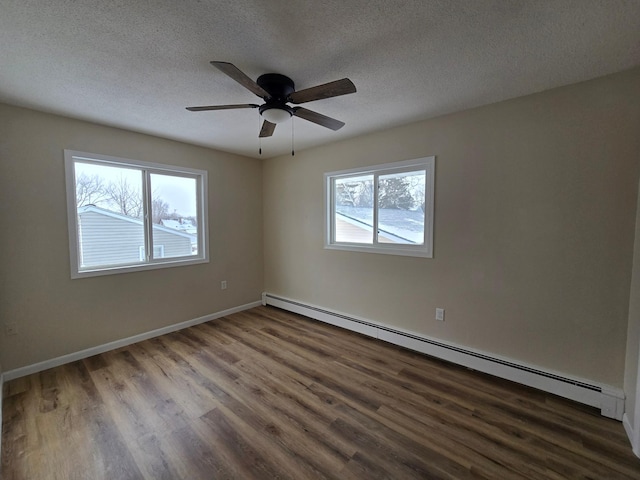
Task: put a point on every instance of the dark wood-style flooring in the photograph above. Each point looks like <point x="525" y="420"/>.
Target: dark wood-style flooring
<point x="267" y="394"/>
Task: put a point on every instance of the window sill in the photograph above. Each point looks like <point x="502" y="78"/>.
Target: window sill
<point x="136" y="268"/>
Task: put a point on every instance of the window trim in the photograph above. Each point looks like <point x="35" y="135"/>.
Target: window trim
<point x="71" y="156"/>
<point x="426" y="250"/>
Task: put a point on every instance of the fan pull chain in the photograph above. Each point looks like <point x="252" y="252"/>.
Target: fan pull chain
<point x="259" y="137"/>
<point x="292" y="152"/>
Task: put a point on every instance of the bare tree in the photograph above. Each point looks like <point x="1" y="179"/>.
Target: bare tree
<point x="126" y="197"/>
<point x="174" y="215"/>
<point x="120" y="196"/>
<point x="159" y="210"/>
<point x="90" y="190"/>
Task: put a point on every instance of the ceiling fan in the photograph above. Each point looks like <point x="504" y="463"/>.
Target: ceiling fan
<point x="277" y="90"/>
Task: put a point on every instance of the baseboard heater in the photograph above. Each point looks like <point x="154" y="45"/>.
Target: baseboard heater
<point x="608" y="399"/>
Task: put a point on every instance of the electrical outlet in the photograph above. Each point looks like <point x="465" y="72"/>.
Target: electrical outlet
<point x="440" y="314"/>
<point x="223" y="285"/>
<point x="10" y="329"/>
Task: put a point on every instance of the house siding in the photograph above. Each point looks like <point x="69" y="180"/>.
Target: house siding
<point x="108" y="240"/>
<point x="174" y="245"/>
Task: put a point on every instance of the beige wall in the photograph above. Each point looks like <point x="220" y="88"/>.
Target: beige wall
<point x="534" y="229"/>
<point x="633" y="335"/>
<point x="535" y="217"/>
<point x="56" y="315"/>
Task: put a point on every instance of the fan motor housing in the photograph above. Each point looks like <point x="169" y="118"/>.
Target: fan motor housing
<point x="277" y="85"/>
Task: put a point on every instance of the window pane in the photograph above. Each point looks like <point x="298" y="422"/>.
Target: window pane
<point x="109" y="209"/>
<point x="401" y="198"/>
<point x="353" y="219"/>
<point x="174" y="213"/>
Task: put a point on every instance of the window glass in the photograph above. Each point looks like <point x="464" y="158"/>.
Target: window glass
<point x="109" y="215"/>
<point x="174" y="207"/>
<point x="401" y="208"/>
<point x="354" y="209"/>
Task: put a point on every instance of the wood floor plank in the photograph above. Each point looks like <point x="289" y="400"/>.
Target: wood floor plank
<point x="258" y="397"/>
<point x="537" y="424"/>
<point x="135" y="421"/>
<point x="175" y="377"/>
<point x="240" y="451"/>
<point x="265" y="394"/>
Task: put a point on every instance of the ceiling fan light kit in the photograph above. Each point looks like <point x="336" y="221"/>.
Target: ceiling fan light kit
<point x="277" y="90"/>
<point x="276" y="113"/>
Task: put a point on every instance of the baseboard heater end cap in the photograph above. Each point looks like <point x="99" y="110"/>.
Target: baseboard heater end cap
<point x="612" y="405"/>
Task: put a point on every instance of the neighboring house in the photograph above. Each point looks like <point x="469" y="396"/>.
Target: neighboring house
<point x="109" y="238"/>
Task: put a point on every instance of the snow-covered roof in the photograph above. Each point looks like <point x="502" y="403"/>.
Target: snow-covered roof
<point x="405" y="224"/>
<point x="183" y="226"/>
<point x="171" y="224"/>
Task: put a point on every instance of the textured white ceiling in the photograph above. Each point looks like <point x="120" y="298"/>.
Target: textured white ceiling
<point x="137" y="64"/>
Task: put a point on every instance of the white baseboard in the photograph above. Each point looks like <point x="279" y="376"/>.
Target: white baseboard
<point x="635" y="445"/>
<point x="630" y="434"/>
<point x="608" y="399"/>
<point x="72" y="357"/>
<point x="1" y="396"/>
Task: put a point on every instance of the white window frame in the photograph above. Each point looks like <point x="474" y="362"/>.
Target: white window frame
<point x="426" y="164"/>
<point x="147" y="168"/>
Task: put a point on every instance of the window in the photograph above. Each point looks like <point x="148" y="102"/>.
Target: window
<point x="120" y="209"/>
<point x="383" y="209"/>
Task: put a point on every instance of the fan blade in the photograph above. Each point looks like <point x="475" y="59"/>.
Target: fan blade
<point x="235" y="73"/>
<point x="267" y="129"/>
<point x="318" y="118"/>
<point x="327" y="90"/>
<point x="221" y="107"/>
